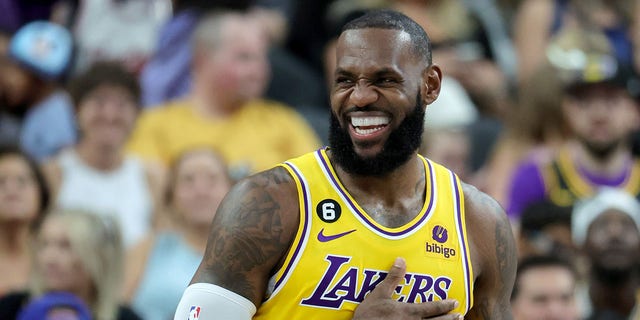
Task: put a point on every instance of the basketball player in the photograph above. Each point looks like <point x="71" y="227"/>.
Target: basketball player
<point x="313" y="237"/>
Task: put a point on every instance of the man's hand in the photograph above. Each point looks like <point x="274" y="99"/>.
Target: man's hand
<point x="379" y="305"/>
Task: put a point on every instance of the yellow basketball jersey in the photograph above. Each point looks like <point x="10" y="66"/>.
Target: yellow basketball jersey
<point x="340" y="253"/>
<point x="565" y="183"/>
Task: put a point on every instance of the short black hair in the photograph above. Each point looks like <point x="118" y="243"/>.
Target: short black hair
<point x="539" y="261"/>
<point x="393" y="20"/>
<point x="104" y="73"/>
<point x="541" y="214"/>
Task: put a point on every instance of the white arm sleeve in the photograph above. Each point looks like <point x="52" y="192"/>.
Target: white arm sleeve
<point x="205" y="301"/>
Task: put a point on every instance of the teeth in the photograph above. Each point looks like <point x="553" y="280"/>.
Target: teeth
<point x="369" y="121"/>
<point x="366" y="131"/>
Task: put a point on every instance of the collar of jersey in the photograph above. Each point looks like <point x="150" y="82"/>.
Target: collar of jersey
<point x="392" y="233"/>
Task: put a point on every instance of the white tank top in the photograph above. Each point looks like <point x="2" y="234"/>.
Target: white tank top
<point x="122" y="193"/>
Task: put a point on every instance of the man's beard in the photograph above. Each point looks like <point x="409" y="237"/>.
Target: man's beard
<point x="613" y="276"/>
<point x="601" y="150"/>
<point x="397" y="150"/>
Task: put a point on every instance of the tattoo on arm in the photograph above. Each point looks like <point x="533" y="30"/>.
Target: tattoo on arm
<point x="495" y="302"/>
<point x="507" y="263"/>
<point x="246" y="235"/>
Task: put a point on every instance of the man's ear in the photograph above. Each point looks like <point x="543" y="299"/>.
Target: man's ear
<point x="431" y="83"/>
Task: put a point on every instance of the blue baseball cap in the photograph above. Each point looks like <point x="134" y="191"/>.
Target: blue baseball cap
<point x="41" y="307"/>
<point x="44" y="48"/>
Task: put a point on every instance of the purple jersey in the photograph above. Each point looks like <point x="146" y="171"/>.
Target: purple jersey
<point x="562" y="181"/>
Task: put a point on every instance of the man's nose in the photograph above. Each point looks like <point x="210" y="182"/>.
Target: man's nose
<point x="363" y="94"/>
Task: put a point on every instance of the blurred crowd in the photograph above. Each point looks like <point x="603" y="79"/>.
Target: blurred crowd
<point x="123" y="123"/>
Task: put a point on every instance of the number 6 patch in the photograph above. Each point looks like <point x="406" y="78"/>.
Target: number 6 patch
<point x="328" y="210"/>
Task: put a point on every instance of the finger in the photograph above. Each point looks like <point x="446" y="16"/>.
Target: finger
<point x="386" y="288"/>
<point x="434" y="308"/>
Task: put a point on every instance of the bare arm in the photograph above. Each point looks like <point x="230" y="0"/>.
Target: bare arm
<point x="251" y="233"/>
<point x="531" y="34"/>
<point x="493" y="254"/>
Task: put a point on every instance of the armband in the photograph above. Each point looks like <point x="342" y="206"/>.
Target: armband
<point x="206" y="301"/>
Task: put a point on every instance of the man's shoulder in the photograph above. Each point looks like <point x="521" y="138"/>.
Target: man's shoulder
<point x="483" y="215"/>
<point x="481" y="205"/>
<point x="276" y="182"/>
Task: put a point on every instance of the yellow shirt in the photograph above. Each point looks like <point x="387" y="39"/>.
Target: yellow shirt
<point x="258" y="136"/>
<point x="340" y="253"/>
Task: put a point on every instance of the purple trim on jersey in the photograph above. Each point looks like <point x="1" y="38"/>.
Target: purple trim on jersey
<point x="462" y="238"/>
<point x="304" y="229"/>
<point x="363" y="215"/>
<point x="527" y="187"/>
<point x="609" y="181"/>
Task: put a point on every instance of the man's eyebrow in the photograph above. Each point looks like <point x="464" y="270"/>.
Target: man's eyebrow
<point x="386" y="72"/>
<point x="343" y="72"/>
<point x="380" y="73"/>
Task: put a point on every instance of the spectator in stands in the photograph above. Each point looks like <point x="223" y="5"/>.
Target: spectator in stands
<point x="224" y="109"/>
<point x="167" y="74"/>
<point x="79" y="253"/>
<point x="600" y="104"/>
<point x="56" y="306"/>
<point x="24" y="198"/>
<point x="535" y="129"/>
<point x="537" y="22"/>
<point x="607" y="229"/>
<point x="39" y="56"/>
<point x="137" y="22"/>
<point x="545" y="229"/>
<point x="544" y="289"/>
<point x="95" y="174"/>
<point x="160" y="268"/>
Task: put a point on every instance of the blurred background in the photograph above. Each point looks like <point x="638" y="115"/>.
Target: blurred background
<point x="135" y="117"/>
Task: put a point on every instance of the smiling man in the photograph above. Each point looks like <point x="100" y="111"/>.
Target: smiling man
<point x="366" y="228"/>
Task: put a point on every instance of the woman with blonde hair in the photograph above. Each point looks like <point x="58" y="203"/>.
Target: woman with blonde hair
<point x="78" y="253"/>
<point x="160" y="267"/>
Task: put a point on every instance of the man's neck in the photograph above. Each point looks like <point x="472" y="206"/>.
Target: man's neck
<point x="14" y="239"/>
<point x="396" y="194"/>
<point x="101" y="158"/>
<point x="619" y="297"/>
<point x="612" y="164"/>
<point x="196" y="236"/>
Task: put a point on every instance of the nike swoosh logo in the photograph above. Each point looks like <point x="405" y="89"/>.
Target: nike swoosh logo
<point x="325" y="238"/>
